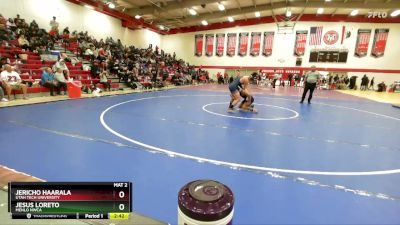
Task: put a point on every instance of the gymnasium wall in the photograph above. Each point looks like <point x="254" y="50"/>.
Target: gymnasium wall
<point x="283" y="46"/>
<point x="79" y="18"/>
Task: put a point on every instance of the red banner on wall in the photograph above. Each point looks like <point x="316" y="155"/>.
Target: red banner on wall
<point x="243" y="43"/>
<point x="231" y="44"/>
<point x="379" y="44"/>
<point x="219" y="44"/>
<point x="255" y="43"/>
<point x="268" y="42"/>
<point x="198" y="44"/>
<point x="363" y="37"/>
<point x="209" y="47"/>
<point x="300" y="43"/>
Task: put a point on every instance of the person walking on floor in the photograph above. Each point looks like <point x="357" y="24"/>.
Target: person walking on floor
<point x="371" y="84"/>
<point x="310" y="82"/>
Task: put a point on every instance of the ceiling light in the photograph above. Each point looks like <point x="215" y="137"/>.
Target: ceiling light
<point x="354" y="12"/>
<point x="395" y="13"/>
<point x="221" y="7"/>
<point x="204" y="23"/>
<point x="137" y="17"/>
<point x="192" y="12"/>
<point x="162" y="27"/>
<point x="327" y="0"/>
<point x="288" y="13"/>
<point x="320" y="10"/>
<point x="230" y="19"/>
<point x="111" y="5"/>
<point x="89" y="6"/>
<point x="257" y="14"/>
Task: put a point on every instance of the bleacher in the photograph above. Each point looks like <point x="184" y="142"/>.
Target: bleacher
<point x="32" y="69"/>
<point x="30" y="66"/>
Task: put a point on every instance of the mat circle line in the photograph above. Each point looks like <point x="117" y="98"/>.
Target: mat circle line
<point x="296" y="114"/>
<point x="230" y="164"/>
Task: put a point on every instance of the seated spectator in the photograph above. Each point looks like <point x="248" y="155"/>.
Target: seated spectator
<point x="381" y="87"/>
<point x="74" y="36"/>
<point x="23" y="42"/>
<point x="133" y="81"/>
<point x="4" y="61"/>
<point x="12" y="81"/>
<point x="66" y="32"/>
<point x="104" y="81"/>
<point x="90" y="52"/>
<point x="17" y="65"/>
<point x="60" y="79"/>
<point x="11" y="25"/>
<point x="3" y="22"/>
<point x="33" y="24"/>
<point x="88" y="88"/>
<point x="95" y="69"/>
<point x="48" y="81"/>
<point x="17" y="20"/>
<point x="102" y="54"/>
<point x="61" y="65"/>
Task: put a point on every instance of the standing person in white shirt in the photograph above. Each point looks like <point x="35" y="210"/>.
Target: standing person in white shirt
<point x="275" y="78"/>
<point x="12" y="81"/>
<point x="54" y="24"/>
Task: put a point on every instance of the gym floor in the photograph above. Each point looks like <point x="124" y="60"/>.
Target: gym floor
<point x="335" y="161"/>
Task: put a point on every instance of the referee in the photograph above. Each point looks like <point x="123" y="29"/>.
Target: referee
<point x="310" y="82"/>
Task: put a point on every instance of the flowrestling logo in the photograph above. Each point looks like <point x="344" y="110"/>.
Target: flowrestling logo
<point x="375" y="14"/>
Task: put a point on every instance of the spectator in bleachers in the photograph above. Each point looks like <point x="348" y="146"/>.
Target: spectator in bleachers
<point x="3" y="22"/>
<point x="59" y="77"/>
<point x="110" y="51"/>
<point x="54" y="24"/>
<point x="102" y="54"/>
<point x="61" y="65"/>
<point x="48" y="81"/>
<point x="104" y="81"/>
<point x="73" y="36"/>
<point x="23" y="25"/>
<point x="12" y="81"/>
<point x="11" y="25"/>
<point x="34" y="25"/>
<point x="90" y="52"/>
<point x="23" y="42"/>
<point x="133" y="81"/>
<point x="17" y="20"/>
<point x="17" y="65"/>
<point x="66" y="32"/>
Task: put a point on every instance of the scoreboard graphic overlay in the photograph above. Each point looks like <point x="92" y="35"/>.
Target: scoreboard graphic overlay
<point x="70" y="200"/>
